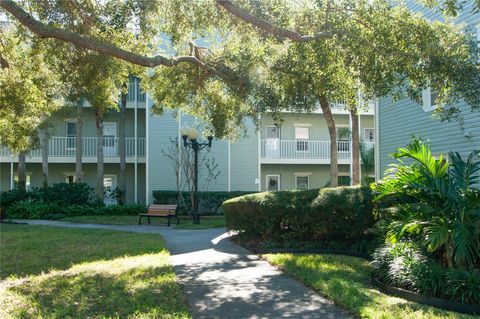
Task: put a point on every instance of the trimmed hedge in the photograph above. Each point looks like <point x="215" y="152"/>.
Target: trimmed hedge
<point x="210" y="202"/>
<point x="41" y="210"/>
<point x="342" y="213"/>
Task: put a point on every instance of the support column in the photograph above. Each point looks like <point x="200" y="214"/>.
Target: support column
<point x="11" y="175"/>
<point x="351" y="147"/>
<point x="135" y="186"/>
<point x="147" y="152"/>
<point x="229" y="175"/>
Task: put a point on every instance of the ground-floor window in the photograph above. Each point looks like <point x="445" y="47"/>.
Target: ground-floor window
<point x="273" y="183"/>
<point x="110" y="185"/>
<point x="344" y="180"/>
<point x="302" y="181"/>
<point x="70" y="178"/>
<point x="27" y="181"/>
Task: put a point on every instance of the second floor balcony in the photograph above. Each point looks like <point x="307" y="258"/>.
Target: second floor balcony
<point x="277" y="151"/>
<point x="62" y="149"/>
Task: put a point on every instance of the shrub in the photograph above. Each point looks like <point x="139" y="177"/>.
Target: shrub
<point x="13" y="196"/>
<point x="444" y="213"/>
<point x="302" y="215"/>
<point x="33" y="210"/>
<point x="62" y="194"/>
<point x="345" y="212"/>
<point x="40" y="210"/>
<point x="67" y="194"/>
<point x="210" y="203"/>
<point x="404" y="265"/>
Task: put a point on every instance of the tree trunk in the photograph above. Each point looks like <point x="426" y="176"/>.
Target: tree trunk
<point x="44" y="143"/>
<point x="100" y="172"/>
<point x="355" y="147"/>
<point x="327" y="113"/>
<point x="22" y="180"/>
<point x="79" y="145"/>
<point x="122" y="146"/>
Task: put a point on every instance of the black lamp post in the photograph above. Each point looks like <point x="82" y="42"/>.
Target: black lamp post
<point x="189" y="136"/>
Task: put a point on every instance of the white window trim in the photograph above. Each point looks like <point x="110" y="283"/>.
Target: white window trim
<point x="68" y="121"/>
<point x="270" y="125"/>
<point x="342" y="174"/>
<point x="66" y="174"/>
<point x="267" y="180"/>
<point x="302" y="124"/>
<point x="116" y="127"/>
<point x="365" y="134"/>
<point x="28" y="176"/>
<point x="477" y="29"/>
<point x="302" y="175"/>
<point x="427" y="100"/>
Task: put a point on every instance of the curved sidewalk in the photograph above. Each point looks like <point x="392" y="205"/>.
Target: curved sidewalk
<point x="223" y="280"/>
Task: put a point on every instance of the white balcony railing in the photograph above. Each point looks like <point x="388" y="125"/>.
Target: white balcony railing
<point x="304" y="149"/>
<point x="65" y="147"/>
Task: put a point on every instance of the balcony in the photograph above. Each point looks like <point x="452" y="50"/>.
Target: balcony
<point x="275" y="151"/>
<point x="62" y="149"/>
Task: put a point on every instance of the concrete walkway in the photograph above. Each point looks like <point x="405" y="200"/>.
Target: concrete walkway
<point x="224" y="280"/>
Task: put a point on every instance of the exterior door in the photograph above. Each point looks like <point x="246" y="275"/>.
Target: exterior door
<point x="273" y="183"/>
<point x="110" y="185"/>
<point x="110" y="139"/>
<point x="272" y="146"/>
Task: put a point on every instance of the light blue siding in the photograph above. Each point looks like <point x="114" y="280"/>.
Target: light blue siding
<point x="399" y="120"/>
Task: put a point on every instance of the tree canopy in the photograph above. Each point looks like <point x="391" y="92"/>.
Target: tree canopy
<point x="221" y="60"/>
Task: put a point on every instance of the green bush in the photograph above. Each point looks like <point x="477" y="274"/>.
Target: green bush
<point x="61" y="194"/>
<point x="210" y="203"/>
<point x="346" y="213"/>
<point x="67" y="194"/>
<point x="405" y="266"/>
<point x="40" y="210"/>
<point x="8" y="198"/>
<point x="343" y="213"/>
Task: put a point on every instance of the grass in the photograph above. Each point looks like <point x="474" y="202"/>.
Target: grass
<point x="49" y="272"/>
<point x="185" y="222"/>
<point x="346" y="281"/>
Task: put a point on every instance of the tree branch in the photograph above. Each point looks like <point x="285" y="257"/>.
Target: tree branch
<point x="86" y="42"/>
<point x="280" y="33"/>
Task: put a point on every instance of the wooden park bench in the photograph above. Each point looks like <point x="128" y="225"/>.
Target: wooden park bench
<point x="167" y="211"/>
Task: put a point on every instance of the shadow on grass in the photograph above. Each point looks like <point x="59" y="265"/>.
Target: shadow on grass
<point x="141" y="292"/>
<point x="346" y="281"/>
<point x="30" y="250"/>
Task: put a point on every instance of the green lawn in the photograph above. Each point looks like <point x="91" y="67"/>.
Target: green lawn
<point x="185" y="223"/>
<point x="50" y="272"/>
<point x="346" y="281"/>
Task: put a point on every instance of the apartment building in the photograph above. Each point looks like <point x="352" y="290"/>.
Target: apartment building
<point x="293" y="155"/>
<point x="396" y="121"/>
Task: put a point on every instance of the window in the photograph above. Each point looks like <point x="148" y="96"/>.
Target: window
<point x="344" y="180"/>
<point x="369" y="135"/>
<point x="70" y="178"/>
<point x="273" y="183"/>
<point x="429" y="97"/>
<point x="343" y="138"/>
<point x="302" y="181"/>
<point x="302" y="135"/>
<point x="70" y="134"/>
<point x="27" y="181"/>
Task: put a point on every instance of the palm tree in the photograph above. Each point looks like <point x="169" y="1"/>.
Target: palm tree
<point x="368" y="161"/>
<point x="446" y="210"/>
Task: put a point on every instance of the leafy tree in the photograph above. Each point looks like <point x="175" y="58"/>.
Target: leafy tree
<point x="92" y="77"/>
<point x="338" y="49"/>
<point x="446" y="213"/>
